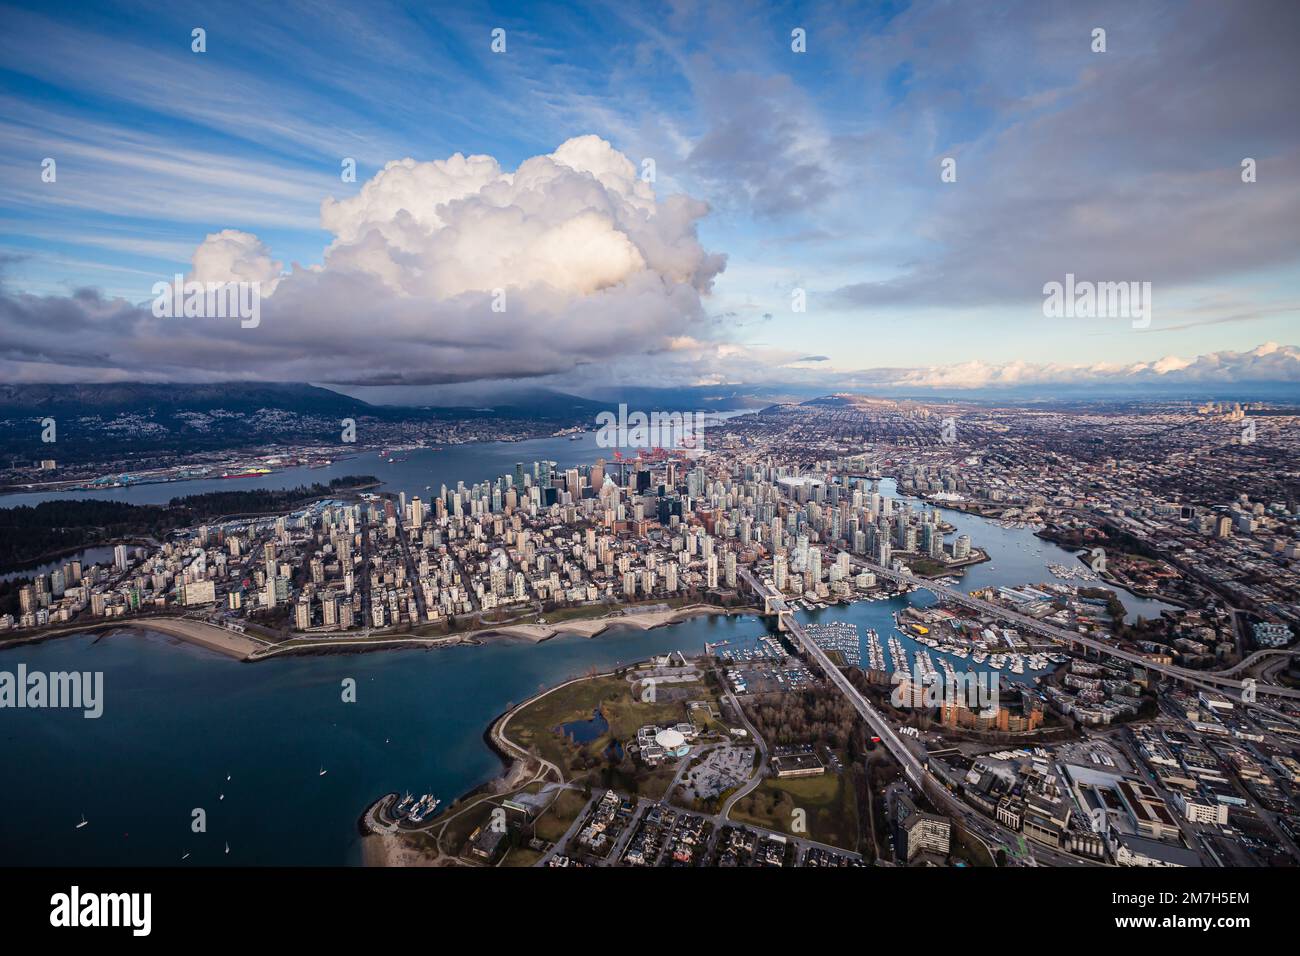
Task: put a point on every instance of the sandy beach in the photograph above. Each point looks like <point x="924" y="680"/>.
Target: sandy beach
<point x="672" y="616"/>
<point x="592" y="627"/>
<point x="186" y="629"/>
<point x="205" y="635"/>
<point x="541" y="632"/>
<point x="243" y="648"/>
<point x="389" y="849"/>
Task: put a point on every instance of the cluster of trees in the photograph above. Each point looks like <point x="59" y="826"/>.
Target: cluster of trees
<point x="32" y="533"/>
<point x="819" y="716"/>
<point x="29" y="534"/>
<point x="215" y="504"/>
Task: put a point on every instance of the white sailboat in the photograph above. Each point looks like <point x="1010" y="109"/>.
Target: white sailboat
<point x="83" y="822"/>
<point x="227" y="848"/>
<point x="186" y="856"/>
<point x="322" y="772"/>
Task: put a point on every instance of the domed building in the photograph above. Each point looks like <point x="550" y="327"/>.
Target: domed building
<point x="672" y="742"/>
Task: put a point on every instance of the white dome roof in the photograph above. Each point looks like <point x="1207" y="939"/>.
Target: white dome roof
<point x="669" y="739"/>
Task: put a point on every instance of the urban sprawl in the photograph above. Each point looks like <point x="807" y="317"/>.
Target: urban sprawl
<point x="1169" y="740"/>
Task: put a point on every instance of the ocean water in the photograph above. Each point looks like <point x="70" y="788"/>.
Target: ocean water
<point x="420" y="473"/>
<point x="179" y="719"/>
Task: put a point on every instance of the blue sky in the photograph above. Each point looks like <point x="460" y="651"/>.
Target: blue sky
<point x="820" y="170"/>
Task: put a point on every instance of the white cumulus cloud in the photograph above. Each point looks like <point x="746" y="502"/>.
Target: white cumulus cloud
<point x="234" y="256"/>
<point x="589" y="264"/>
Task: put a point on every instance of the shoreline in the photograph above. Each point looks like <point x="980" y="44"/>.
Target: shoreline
<point x="594" y="627"/>
<point x="533" y="633"/>
<point x="208" y="635"/>
<point x="247" y="650"/>
<point x="958" y="570"/>
<point x="386" y="848"/>
<point x="200" y="633"/>
<point x="382" y="847"/>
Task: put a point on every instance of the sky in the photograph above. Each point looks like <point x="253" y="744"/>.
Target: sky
<point x="651" y="194"/>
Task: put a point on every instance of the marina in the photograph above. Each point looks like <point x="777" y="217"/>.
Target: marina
<point x="416" y="810"/>
<point x="840" y="637"/>
<point x="1077" y="572"/>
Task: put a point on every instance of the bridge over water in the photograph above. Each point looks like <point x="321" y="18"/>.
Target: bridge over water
<point x="913" y="764"/>
<point x="774" y="604"/>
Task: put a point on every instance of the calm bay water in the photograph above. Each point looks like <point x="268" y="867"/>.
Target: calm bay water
<point x="1017" y="556"/>
<point x="421" y="473"/>
<point x="87" y="556"/>
<point x="178" y="719"/>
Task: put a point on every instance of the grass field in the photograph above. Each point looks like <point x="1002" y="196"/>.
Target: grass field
<point x="581" y="612"/>
<point x="538" y="724"/>
<point x="455" y="835"/>
<point x="521" y="856"/>
<point x="828" y="802"/>
<point x="552" y="824"/>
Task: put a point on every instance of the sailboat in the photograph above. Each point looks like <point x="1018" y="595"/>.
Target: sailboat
<point x="322" y="772"/>
<point x="221" y="796"/>
<point x="227" y="848"/>
<point x="186" y="856"/>
<point x="227" y="778"/>
<point x="83" y="822"/>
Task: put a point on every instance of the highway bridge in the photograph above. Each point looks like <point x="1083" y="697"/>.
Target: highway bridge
<point x="1260" y="656"/>
<point x="774" y="604"/>
<point x="913" y="765"/>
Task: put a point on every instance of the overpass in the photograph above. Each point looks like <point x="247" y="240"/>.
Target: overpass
<point x="774" y="604"/>
<point x="1258" y="657"/>
<point x="913" y="766"/>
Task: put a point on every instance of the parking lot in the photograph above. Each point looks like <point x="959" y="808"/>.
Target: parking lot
<point x="723" y="768"/>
